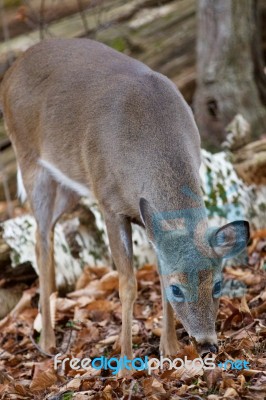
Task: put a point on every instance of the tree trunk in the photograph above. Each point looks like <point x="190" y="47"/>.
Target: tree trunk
<point x="230" y="76"/>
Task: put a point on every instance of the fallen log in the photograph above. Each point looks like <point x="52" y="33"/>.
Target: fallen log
<point x="161" y="34"/>
<point x="250" y="162"/>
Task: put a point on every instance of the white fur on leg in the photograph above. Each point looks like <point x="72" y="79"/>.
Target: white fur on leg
<point x="21" y="192"/>
<point x="64" y="180"/>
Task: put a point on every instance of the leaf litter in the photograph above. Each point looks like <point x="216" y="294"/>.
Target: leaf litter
<point x="88" y="324"/>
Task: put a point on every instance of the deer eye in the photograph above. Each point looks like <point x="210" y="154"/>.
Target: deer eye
<point x="178" y="294"/>
<point x="217" y="289"/>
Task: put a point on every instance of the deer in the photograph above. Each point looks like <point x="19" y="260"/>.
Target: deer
<point x="87" y="120"/>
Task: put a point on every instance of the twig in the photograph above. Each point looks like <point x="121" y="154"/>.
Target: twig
<point x="2" y="352"/>
<point x="10" y="209"/>
<point x="83" y="17"/>
<point x="131" y="389"/>
<point x="38" y="348"/>
<point x="37" y="19"/>
<point x="35" y="16"/>
<point x="41" y="19"/>
<point x="10" y="56"/>
<point x="68" y="342"/>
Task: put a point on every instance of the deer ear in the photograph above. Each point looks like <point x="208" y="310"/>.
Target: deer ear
<point x="231" y="239"/>
<point x="146" y="213"/>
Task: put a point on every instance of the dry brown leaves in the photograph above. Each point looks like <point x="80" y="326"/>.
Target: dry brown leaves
<point x="88" y="323"/>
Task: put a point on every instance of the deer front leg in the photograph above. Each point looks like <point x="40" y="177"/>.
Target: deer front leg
<point x="120" y="239"/>
<point x="169" y="345"/>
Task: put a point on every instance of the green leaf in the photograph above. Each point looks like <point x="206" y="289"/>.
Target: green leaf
<point x="67" y="396"/>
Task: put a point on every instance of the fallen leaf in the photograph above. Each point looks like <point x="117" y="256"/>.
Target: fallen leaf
<point x="74" y="384"/>
<point x="107" y="392"/>
<point x="230" y="393"/>
<point x="44" y="376"/>
<point x="157" y="387"/>
<point x="100" y="305"/>
<point x="64" y="304"/>
<point x="110" y="281"/>
<point x="212" y="377"/>
<point x="109" y="340"/>
<point x="84" y="278"/>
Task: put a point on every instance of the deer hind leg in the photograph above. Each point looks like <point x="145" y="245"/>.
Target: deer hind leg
<point x="48" y="201"/>
<point x="120" y="239"/>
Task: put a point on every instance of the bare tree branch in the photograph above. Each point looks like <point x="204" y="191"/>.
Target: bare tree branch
<point x="83" y="17"/>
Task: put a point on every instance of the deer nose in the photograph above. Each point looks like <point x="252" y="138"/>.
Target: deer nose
<point x="206" y="348"/>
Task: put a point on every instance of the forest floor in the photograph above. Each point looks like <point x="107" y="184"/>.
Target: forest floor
<point x="88" y="322"/>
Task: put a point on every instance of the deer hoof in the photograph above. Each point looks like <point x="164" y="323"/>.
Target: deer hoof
<point x="169" y="348"/>
<point x="47" y="342"/>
